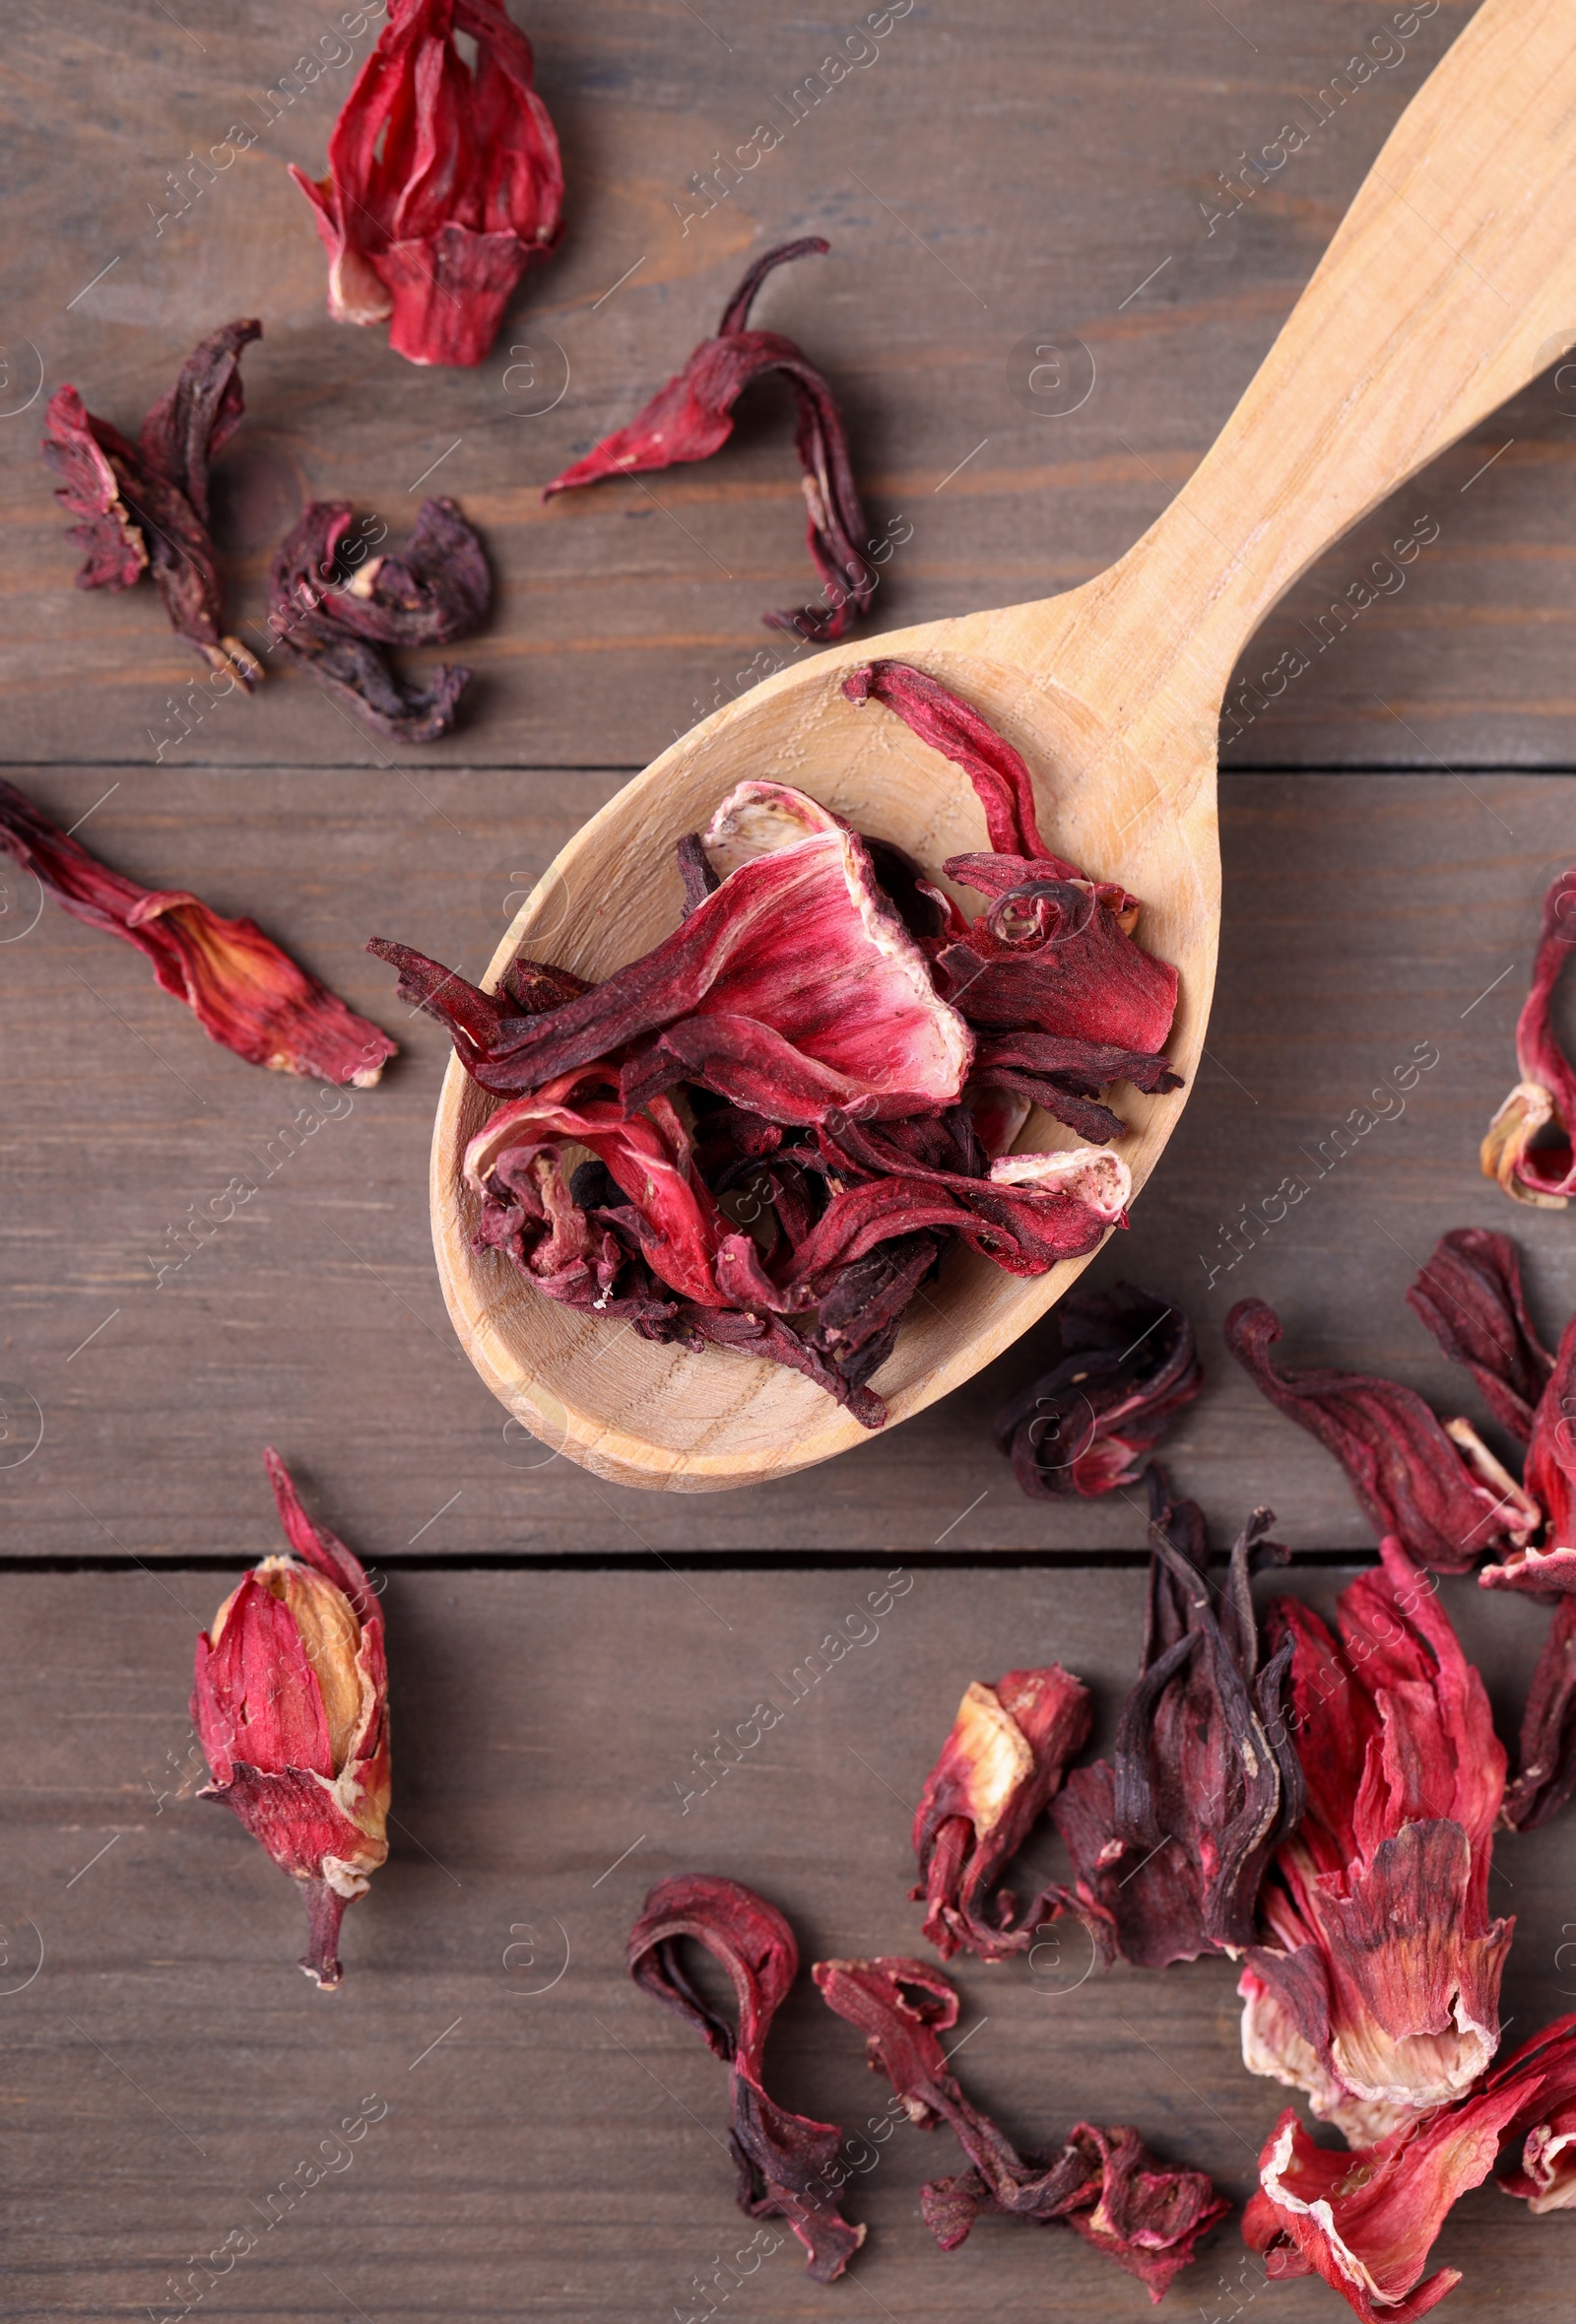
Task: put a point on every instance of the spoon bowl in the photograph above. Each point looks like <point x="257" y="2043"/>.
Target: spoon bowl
<point x="1451" y="282"/>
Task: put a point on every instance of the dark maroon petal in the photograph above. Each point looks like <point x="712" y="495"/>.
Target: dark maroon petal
<point x="943" y="719"/>
<point x="1443" y="1495"/>
<point x="1546" y="1772"/>
<point x="998" y="1768"/>
<point x="1049" y="955"/>
<point x="1063" y="1075"/>
<point x="1128" y="1366"/>
<point x="197" y="417"/>
<point x="1548" y="1567"/>
<point x="1470" y="1296"/>
<point x="787" y="2164"/>
<point x="1545" y="1098"/>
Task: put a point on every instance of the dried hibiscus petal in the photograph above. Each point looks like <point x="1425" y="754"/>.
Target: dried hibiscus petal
<point x="1128" y="1365"/>
<point x="1366" y="2222"/>
<point x="1542" y="1570"/>
<point x="1435" y="1486"/>
<point x="337" y="622"/>
<point x="1545" y="1098"/>
<point x="1104" y="2184"/>
<point x="144" y="508"/>
<point x="1470" y="1296"/>
<point x="998" y="1770"/>
<point x="444" y="182"/>
<point x="243" y="991"/>
<point x="1545" y="1771"/>
<point x="692" y="417"/>
<point x="787" y="2164"/>
<point x="1378" y="1990"/>
<point x="290" y="1705"/>
<point x="1169" y="1844"/>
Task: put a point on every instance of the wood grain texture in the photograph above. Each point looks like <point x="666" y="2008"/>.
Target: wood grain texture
<point x="1365" y="916"/>
<point x="1022" y="177"/>
<point x="551" y="2145"/>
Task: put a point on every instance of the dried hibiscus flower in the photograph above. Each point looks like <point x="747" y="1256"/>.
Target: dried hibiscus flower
<point x="1435" y="1486"/>
<point x="1128" y="1365"/>
<point x="1545" y="1771"/>
<point x="1366" y="2222"/>
<point x="1469" y="1296"/>
<point x="692" y="417"/>
<point x="144" y="507"/>
<point x="242" y="991"/>
<point x="1544" y="1097"/>
<point x="1104" y="2184"/>
<point x="787" y="2164"/>
<point x="290" y="1705"/>
<point x="1542" y="1570"/>
<point x="337" y="622"/>
<point x="443" y="184"/>
<point x="1378" y="1989"/>
<point x="998" y="1768"/>
<point x="1169" y="1844"/>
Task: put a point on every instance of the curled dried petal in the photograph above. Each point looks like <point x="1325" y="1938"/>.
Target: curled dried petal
<point x="243" y="991"/>
<point x="1547" y="1568"/>
<point x="1128" y="1365"/>
<point x="1545" y="1771"/>
<point x="1470" y="1296"/>
<point x="787" y="2164"/>
<point x="1531" y="1169"/>
<point x="1440" y="1491"/>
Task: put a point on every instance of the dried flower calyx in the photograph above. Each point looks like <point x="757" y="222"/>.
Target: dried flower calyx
<point x="144" y="508"/>
<point x="1377" y="1991"/>
<point x="1366" y="2222"/>
<point x="1103" y="2184"/>
<point x="1470" y="1296"/>
<point x="692" y="417"/>
<point x="338" y="618"/>
<point x="1169" y="1844"/>
<point x="1435" y="1486"/>
<point x="998" y="1768"/>
<point x="1546" y="1769"/>
<point x="787" y="2164"/>
<point x="1128" y="1365"/>
<point x="243" y="991"/>
<point x="1546" y="1568"/>
<point x="1529" y="1144"/>
<point x="289" y="1701"/>
<point x="443" y="183"/>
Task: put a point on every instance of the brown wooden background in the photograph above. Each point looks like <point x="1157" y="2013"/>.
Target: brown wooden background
<point x="1001" y="174"/>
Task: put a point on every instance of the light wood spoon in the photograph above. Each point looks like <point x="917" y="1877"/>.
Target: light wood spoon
<point x="1446" y="290"/>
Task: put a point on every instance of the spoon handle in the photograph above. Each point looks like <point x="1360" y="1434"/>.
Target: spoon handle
<point x="1450" y="285"/>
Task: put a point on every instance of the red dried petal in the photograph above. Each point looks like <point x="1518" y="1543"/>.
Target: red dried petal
<point x="289" y="1701"/>
<point x="1006" y="1756"/>
<point x="692" y="417"/>
<point x="999" y="775"/>
<point x="444" y="182"/>
<point x="1031" y="1212"/>
<point x="1546" y="1772"/>
<point x="1380" y="1991"/>
<point x="1548" y="1567"/>
<point x="787" y="2164"/>
<point x="1106" y="2185"/>
<point x="243" y="991"/>
<point x="1542" y="1175"/>
<point x="1470" y="1296"/>
<point x="1413" y="1477"/>
<point x="1128" y="1365"/>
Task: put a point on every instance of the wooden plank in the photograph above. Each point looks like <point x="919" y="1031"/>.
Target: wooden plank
<point x="550" y="2145"/>
<point x="990" y="187"/>
<point x="1366" y="918"/>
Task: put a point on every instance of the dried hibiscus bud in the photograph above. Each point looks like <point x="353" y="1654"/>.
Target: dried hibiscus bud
<point x="444" y="182"/>
<point x="1470" y="1296"/>
<point x="1378" y="1989"/>
<point x="1435" y="1486"/>
<point x="1104" y="2184"/>
<point x="1546" y="1568"/>
<point x="243" y="991"/>
<point x="692" y="417"/>
<point x="1128" y="1365"/>
<point x="290" y="1705"/>
<point x="1170" y="1844"/>
<point x="144" y="507"/>
<point x="1544" y="1097"/>
<point x="336" y="621"/>
<point x="1546" y="1772"/>
<point x="1366" y="2222"/>
<point x="999" y="1767"/>
<point x="787" y="2164"/>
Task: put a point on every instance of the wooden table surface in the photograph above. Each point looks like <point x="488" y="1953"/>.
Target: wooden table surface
<point x="999" y="176"/>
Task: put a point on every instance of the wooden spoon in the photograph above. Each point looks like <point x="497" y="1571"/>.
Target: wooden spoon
<point x="1450" y="285"/>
